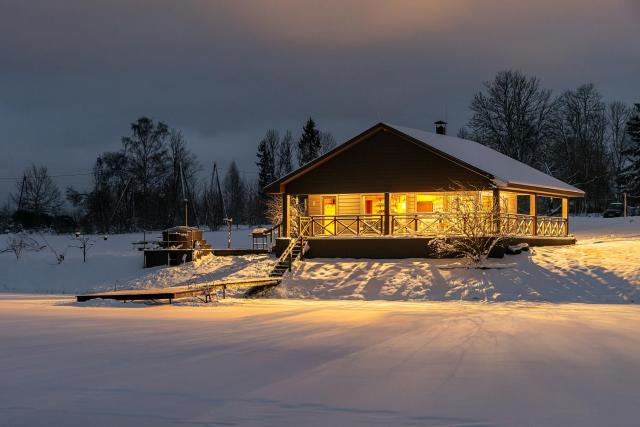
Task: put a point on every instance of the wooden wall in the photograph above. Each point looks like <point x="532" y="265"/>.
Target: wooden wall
<point x="385" y="162"/>
<point x="348" y="204"/>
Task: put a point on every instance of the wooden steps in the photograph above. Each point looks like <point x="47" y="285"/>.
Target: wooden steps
<point x="292" y="253"/>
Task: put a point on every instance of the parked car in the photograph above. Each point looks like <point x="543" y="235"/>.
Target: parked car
<point x="613" y="210"/>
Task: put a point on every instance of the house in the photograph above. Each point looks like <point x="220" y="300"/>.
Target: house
<point x="386" y="192"/>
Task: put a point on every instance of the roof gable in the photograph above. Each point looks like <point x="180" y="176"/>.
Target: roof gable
<point x="386" y="161"/>
<point x="503" y="170"/>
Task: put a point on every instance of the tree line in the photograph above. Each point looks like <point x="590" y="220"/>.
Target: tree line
<point x="575" y="136"/>
<point x="153" y="182"/>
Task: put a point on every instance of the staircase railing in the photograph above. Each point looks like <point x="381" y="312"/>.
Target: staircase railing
<point x="287" y="255"/>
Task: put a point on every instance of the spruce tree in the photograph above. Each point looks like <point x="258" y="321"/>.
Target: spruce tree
<point x="267" y="173"/>
<point x="631" y="174"/>
<point x="234" y="192"/>
<point x="309" y="144"/>
<point x="266" y="164"/>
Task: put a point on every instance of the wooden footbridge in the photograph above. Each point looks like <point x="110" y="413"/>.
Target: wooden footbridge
<point x="204" y="290"/>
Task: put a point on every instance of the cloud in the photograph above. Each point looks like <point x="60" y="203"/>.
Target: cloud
<point x="75" y="73"/>
<point x="336" y="22"/>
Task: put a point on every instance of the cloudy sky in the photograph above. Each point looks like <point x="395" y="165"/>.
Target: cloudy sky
<point x="75" y="73"/>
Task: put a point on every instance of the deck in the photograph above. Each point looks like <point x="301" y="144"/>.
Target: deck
<point x="205" y="290"/>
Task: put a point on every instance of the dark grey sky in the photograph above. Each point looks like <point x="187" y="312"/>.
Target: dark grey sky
<point x="75" y="73"/>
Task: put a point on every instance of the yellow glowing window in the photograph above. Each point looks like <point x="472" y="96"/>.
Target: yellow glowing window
<point x="398" y="203"/>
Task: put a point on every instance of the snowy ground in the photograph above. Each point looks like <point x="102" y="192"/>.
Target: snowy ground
<point x="115" y="263"/>
<point x="311" y="362"/>
<point x="601" y="268"/>
<point x="318" y="363"/>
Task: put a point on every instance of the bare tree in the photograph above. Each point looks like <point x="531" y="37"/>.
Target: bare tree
<point x="285" y="155"/>
<point x="513" y="117"/>
<point x="59" y="256"/>
<point x="183" y="167"/>
<point x="37" y="192"/>
<point x="147" y="158"/>
<point x="580" y="153"/>
<point x="234" y="191"/>
<point x="273" y="208"/>
<point x="212" y="201"/>
<point x="473" y="229"/>
<point x="464" y="133"/>
<point x="21" y="242"/>
<point x="255" y="203"/>
<point x="618" y="114"/>
<point x="84" y="243"/>
<point x="5" y="218"/>
<point x="327" y="142"/>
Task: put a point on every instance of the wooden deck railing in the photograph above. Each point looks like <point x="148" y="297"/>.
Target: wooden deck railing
<point x="551" y="226"/>
<point x="341" y="225"/>
<point x="428" y="224"/>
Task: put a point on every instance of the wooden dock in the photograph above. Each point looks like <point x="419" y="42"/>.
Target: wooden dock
<point x="205" y="290"/>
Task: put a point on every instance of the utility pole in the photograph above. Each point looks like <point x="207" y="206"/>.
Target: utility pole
<point x="625" y="205"/>
<point x="226" y="219"/>
<point x="24" y="179"/>
<point x="229" y="222"/>
<point x="184" y="198"/>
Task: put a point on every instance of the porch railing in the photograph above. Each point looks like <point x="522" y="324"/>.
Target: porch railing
<point x="428" y="224"/>
<point x="341" y="225"/>
<point x="551" y="226"/>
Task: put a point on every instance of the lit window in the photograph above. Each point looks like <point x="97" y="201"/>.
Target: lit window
<point x="398" y="203"/>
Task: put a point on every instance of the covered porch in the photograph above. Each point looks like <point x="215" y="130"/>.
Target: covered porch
<point x="425" y="214"/>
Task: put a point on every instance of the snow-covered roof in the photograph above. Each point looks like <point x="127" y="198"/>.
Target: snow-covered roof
<point x="505" y="170"/>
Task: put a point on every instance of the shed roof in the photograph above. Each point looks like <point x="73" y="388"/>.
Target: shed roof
<point x="505" y="171"/>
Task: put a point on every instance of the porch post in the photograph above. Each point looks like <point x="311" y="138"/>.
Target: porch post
<point x="496" y="209"/>
<point x="533" y="212"/>
<point x="565" y="215"/>
<point x="285" y="215"/>
<point x="387" y="209"/>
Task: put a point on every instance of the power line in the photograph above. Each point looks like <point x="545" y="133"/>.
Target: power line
<point x="51" y="176"/>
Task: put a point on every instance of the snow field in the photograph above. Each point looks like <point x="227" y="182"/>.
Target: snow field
<point x="601" y="268"/>
<point x="318" y="363"/>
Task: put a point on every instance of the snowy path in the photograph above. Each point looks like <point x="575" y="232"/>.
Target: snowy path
<point x="318" y="363"/>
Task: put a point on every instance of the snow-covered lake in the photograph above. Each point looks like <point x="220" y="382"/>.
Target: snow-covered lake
<point x="318" y="363"/>
<point x="318" y="355"/>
